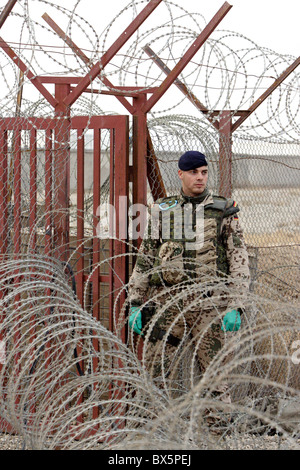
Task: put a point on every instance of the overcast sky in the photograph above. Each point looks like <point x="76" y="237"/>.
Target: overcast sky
<point x="271" y="23"/>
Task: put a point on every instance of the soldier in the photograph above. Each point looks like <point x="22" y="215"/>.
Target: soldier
<point x="193" y="264"/>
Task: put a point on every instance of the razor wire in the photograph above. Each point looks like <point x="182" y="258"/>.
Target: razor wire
<point x="230" y="73"/>
<point x="114" y="402"/>
<point x="66" y="380"/>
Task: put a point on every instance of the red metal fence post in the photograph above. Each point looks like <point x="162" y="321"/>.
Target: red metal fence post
<point x="4" y="193"/>
<point x="6" y="11"/>
<point x="187" y="57"/>
<point x="225" y="154"/>
<point x="61" y="164"/>
<point x="139" y="152"/>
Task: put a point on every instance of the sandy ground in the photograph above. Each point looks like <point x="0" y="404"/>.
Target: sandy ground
<point x="269" y="216"/>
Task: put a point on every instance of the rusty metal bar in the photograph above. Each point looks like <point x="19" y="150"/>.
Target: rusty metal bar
<point x="158" y="189"/>
<point x="119" y="93"/>
<point x="80" y="277"/>
<point x="96" y="272"/>
<point x="58" y="79"/>
<point x="6" y="11"/>
<point x="66" y="38"/>
<point x="180" y="85"/>
<point x="11" y="124"/>
<point x="121" y="90"/>
<point x="193" y="49"/>
<point x="48" y="191"/>
<point x="33" y="187"/>
<point x="225" y="154"/>
<point x="3" y="191"/>
<point x="20" y="93"/>
<point x="82" y="56"/>
<point x="61" y="164"/>
<point x="23" y="67"/>
<point x="112" y="51"/>
<point x="139" y="153"/>
<point x="267" y="93"/>
<point x="120" y="195"/>
<point x="119" y="186"/>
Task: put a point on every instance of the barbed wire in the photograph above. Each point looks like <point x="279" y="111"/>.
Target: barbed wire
<point x="231" y="69"/>
<point x="113" y="402"/>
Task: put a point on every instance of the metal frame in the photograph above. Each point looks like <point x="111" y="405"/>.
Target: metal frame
<point x="66" y="95"/>
<point x="119" y="157"/>
<point x="67" y="91"/>
<point x="118" y="126"/>
<point x="141" y="104"/>
<point x="224" y="125"/>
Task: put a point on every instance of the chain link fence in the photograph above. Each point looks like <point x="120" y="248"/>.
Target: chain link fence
<point x="264" y="176"/>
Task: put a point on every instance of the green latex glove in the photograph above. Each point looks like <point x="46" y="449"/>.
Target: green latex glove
<point x="232" y="321"/>
<point x="135" y="320"/>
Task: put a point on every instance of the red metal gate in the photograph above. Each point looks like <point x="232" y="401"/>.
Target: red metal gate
<point x="117" y="276"/>
<point x="20" y="226"/>
<point x="38" y="160"/>
<point x="35" y="202"/>
<point x="21" y="160"/>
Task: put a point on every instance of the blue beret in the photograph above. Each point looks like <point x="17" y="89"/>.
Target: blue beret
<point x="191" y="159"/>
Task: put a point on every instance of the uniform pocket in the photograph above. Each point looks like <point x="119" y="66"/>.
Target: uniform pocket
<point x="171" y="261"/>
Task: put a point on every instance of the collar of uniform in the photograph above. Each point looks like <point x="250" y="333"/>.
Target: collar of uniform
<point x="205" y="198"/>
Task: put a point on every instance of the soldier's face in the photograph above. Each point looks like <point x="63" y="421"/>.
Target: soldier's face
<point x="194" y="181"/>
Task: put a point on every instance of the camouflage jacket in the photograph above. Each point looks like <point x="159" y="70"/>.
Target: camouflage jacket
<point x="191" y="240"/>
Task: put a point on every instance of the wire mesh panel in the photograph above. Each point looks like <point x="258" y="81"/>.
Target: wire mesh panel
<point x="263" y="176"/>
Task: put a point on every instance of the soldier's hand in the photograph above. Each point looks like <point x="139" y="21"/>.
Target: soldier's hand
<point x="135" y="320"/>
<point x="231" y="321"/>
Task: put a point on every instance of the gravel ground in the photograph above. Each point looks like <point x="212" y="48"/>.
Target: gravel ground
<point x="8" y="442"/>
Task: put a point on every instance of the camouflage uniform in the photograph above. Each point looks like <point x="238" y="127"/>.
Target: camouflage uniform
<point x="193" y="281"/>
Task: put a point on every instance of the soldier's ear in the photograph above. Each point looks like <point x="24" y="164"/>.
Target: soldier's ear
<point x="180" y="174"/>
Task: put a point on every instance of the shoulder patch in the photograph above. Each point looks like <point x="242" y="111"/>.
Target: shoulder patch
<point x="167" y="203"/>
<point x="227" y="206"/>
<point x="232" y="208"/>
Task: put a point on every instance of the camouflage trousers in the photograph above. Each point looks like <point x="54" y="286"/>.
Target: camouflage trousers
<point x="183" y="342"/>
<point x="176" y="331"/>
